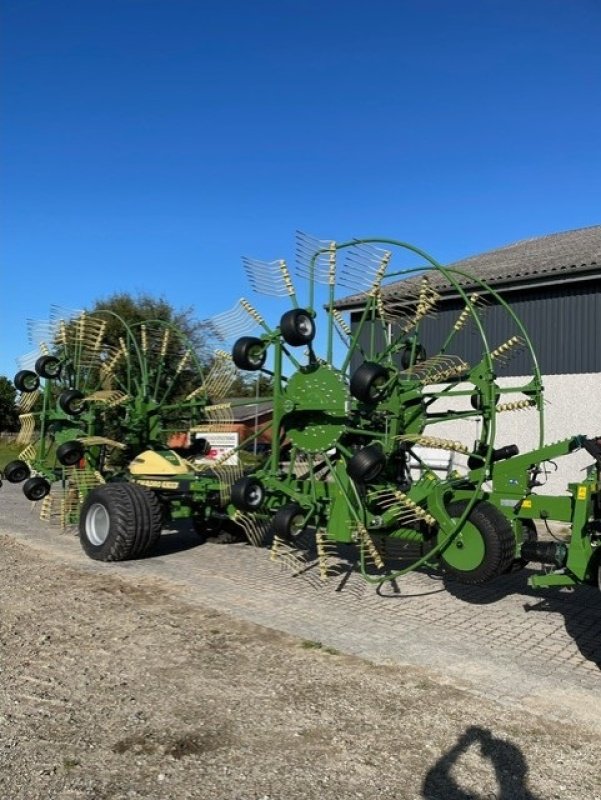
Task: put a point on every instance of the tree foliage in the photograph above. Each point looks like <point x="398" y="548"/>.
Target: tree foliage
<point x="146" y="308"/>
<point x="245" y="385"/>
<point x="9" y="417"/>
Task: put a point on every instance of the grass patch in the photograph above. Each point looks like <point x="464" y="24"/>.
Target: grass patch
<point x="8" y="452"/>
<point x="309" y="644"/>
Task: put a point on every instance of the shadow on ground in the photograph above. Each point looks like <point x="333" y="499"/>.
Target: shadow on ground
<point x="177" y="538"/>
<point x="506" y="759"/>
<point x="580" y="607"/>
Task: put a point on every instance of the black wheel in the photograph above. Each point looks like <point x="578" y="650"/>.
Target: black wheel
<point x="16" y="471"/>
<point x="409" y="358"/>
<point x="48" y="367"/>
<point x="485" y="547"/>
<point x="297" y="327"/>
<point x="36" y="488"/>
<point x="477" y="400"/>
<point x="249" y="353"/>
<point x="198" y="448"/>
<point x="529" y="534"/>
<point x="70" y="453"/>
<point x="288" y="522"/>
<point x="26" y="381"/>
<point x="71" y="402"/>
<point x="366" y="464"/>
<point x="367" y="382"/>
<point x="247" y="494"/>
<point x="119" y="521"/>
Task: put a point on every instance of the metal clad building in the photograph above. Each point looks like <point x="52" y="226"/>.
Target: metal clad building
<point x="563" y="322"/>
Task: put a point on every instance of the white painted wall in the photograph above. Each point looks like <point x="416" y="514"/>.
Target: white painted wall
<point x="572" y="406"/>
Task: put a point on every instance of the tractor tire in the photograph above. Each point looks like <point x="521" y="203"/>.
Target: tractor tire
<point x="297" y="327"/>
<point x="16" y="471"/>
<point x="36" y="488"/>
<point x="285" y="519"/>
<point x="366" y="464"/>
<point x="249" y="353"/>
<point x="367" y="382"/>
<point x="48" y="367"/>
<point x="247" y="494"/>
<point x="119" y="521"/>
<point x="26" y="381"/>
<point x="70" y="453"/>
<point x="486" y="538"/>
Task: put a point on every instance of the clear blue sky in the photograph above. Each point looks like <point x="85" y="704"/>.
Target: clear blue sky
<point x="148" y="144"/>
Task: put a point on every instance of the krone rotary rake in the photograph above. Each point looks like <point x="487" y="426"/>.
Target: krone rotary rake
<point x="363" y="419"/>
<point x="356" y="410"/>
<point x="99" y="399"/>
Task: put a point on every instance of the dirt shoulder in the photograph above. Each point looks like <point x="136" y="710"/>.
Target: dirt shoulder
<point x="117" y="688"/>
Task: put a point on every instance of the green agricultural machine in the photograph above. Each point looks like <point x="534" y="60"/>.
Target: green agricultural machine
<point x="96" y="415"/>
<point x="356" y="410"/>
<point x="347" y="460"/>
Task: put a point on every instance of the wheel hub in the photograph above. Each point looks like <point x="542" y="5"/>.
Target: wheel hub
<point x="315" y="401"/>
<point x="97" y="524"/>
<point x="466" y="551"/>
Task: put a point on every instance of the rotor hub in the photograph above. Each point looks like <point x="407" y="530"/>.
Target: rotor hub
<point x="315" y="401"/>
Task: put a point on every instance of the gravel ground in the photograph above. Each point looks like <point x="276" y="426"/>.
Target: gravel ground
<point x="116" y="688"/>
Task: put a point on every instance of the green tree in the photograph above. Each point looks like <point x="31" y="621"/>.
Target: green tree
<point x="9" y="417"/>
<point x="245" y="385"/>
<point x="145" y="308"/>
<point x="186" y="334"/>
<point x="135" y="309"/>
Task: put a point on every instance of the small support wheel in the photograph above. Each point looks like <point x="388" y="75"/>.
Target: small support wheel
<point x="119" y="521"/>
<point x="26" y="381"/>
<point x="248" y="494"/>
<point x="70" y="453"/>
<point x="71" y="402"/>
<point x="48" y="367"/>
<point x="484" y="548"/>
<point x="297" y="327"/>
<point x="477" y="400"/>
<point x="366" y="464"/>
<point x="367" y="382"/>
<point x="36" y="488"/>
<point x="249" y="353"/>
<point x="288" y="522"/>
<point x="411" y="356"/>
<point x="16" y="471"/>
<point x="198" y="448"/>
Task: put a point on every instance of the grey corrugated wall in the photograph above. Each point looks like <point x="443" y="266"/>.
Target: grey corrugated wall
<point x="563" y="322"/>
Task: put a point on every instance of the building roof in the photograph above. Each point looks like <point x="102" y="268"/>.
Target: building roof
<point x="247" y="408"/>
<point x="552" y="256"/>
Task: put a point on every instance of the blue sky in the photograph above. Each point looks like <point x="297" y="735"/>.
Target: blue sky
<point x="149" y="144"/>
